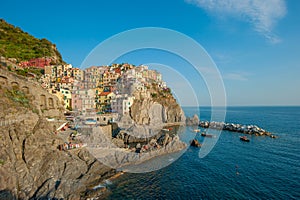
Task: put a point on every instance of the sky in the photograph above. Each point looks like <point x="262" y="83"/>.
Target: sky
<point x="254" y="44"/>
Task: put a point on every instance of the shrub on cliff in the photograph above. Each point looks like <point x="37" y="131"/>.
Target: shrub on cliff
<point x="18" y="97"/>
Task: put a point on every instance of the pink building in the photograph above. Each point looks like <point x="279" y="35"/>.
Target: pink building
<point x="76" y="101"/>
<point x="36" y="62"/>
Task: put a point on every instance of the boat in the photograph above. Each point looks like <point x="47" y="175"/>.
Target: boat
<point x="165" y="129"/>
<point x="207" y="135"/>
<point x="244" y="138"/>
<point x="196" y="130"/>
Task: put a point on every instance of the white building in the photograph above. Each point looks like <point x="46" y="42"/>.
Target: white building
<point x="122" y="103"/>
<point x="88" y="99"/>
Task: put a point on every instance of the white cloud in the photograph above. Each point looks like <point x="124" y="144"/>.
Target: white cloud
<point x="263" y="14"/>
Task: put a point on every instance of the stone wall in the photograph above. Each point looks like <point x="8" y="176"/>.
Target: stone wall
<point x="45" y="103"/>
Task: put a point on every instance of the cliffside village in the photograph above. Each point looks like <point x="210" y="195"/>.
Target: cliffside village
<point x="100" y="89"/>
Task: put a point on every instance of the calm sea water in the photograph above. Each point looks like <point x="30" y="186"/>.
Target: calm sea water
<point x="267" y="168"/>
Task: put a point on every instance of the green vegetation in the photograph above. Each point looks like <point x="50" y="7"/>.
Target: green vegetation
<point x="18" y="97"/>
<point x="36" y="111"/>
<point x="24" y="72"/>
<point x="2" y="162"/>
<point x="153" y="95"/>
<point x="159" y="92"/>
<point x="15" y="43"/>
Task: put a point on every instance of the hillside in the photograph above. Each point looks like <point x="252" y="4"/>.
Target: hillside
<point x="31" y="165"/>
<point x="15" y="43"/>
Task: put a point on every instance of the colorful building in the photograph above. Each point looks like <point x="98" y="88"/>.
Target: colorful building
<point x="36" y="62"/>
<point x="67" y="97"/>
<point x="104" y="100"/>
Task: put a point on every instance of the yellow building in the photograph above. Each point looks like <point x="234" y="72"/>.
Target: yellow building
<point x="67" y="97"/>
<point x="104" y="99"/>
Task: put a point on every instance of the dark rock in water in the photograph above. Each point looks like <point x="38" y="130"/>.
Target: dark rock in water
<point x="195" y="143"/>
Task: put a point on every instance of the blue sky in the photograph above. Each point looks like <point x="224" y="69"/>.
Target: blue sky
<point x="255" y="44"/>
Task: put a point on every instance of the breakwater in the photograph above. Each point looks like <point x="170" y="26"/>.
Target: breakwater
<point x="240" y="128"/>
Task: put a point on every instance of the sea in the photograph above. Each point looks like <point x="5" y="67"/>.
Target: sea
<point x="264" y="168"/>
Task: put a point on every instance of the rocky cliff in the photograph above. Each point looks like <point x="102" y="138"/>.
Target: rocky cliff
<point x="155" y="106"/>
<point x="31" y="166"/>
<point x="151" y="130"/>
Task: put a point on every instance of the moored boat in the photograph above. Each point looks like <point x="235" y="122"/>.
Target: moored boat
<point x="207" y="135"/>
<point x="273" y="136"/>
<point x="244" y="138"/>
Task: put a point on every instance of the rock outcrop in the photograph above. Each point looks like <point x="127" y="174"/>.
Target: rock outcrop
<point x="194" y="121"/>
<point x="28" y="93"/>
<point x="119" y="158"/>
<point x="155" y="111"/>
<point x="247" y="129"/>
<point x="195" y="143"/>
<point x="31" y="166"/>
<point x="150" y="130"/>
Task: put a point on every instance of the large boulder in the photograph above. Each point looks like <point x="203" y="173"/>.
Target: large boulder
<point x="195" y="143"/>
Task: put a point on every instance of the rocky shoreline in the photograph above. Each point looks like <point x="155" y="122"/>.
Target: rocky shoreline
<point x="232" y="127"/>
<point x="240" y="128"/>
<point x="125" y="148"/>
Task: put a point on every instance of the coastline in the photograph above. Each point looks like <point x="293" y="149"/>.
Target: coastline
<point x="101" y="190"/>
<point x="118" y="158"/>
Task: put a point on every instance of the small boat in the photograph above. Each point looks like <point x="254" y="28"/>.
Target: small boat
<point x="207" y="135"/>
<point x="196" y="130"/>
<point x="244" y="138"/>
<point x="165" y="129"/>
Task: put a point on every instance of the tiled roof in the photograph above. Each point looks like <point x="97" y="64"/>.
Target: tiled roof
<point x="104" y="93"/>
